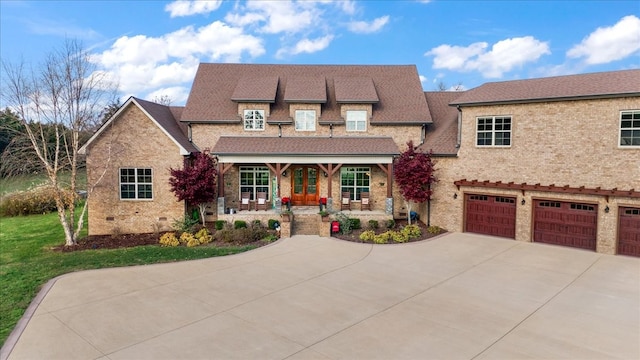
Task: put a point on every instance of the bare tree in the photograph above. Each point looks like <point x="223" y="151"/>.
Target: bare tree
<point x="163" y="100"/>
<point x="65" y="93"/>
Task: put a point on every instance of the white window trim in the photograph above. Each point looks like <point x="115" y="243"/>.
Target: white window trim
<point x="346" y="120"/>
<point x="620" y="146"/>
<point x="254" y="170"/>
<point x="356" y="170"/>
<point x="305" y="112"/>
<point x="493" y="131"/>
<point x="136" y="183"/>
<point x="244" y="124"/>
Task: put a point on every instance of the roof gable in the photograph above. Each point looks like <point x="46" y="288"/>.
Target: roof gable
<point x="256" y="89"/>
<point x="161" y="115"/>
<point x="355" y="90"/>
<point x="557" y="88"/>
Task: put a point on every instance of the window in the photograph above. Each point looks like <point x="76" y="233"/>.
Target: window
<point x="357" y="120"/>
<point x="355" y="180"/>
<point x="630" y="128"/>
<point x="493" y="131"/>
<point x="254" y="180"/>
<point x="254" y="119"/>
<point x="136" y="184"/>
<point x="305" y="120"/>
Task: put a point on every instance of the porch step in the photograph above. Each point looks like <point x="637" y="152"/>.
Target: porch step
<point x="305" y="224"/>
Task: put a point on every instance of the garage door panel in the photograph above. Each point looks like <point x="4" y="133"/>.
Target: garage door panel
<point x="629" y="231"/>
<point x="490" y="215"/>
<point x="565" y="223"/>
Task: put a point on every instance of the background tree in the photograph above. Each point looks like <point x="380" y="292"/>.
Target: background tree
<point x="196" y="183"/>
<point x="56" y="103"/>
<point x="413" y="171"/>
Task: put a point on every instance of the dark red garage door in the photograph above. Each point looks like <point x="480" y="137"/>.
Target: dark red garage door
<point x="491" y="215"/>
<point x="629" y="231"/>
<point x="565" y="223"/>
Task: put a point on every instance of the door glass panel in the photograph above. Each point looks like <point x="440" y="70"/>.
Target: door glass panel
<point x="298" y="182"/>
<point x="311" y="180"/>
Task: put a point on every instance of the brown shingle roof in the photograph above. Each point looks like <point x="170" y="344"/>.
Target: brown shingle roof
<point x="603" y="84"/>
<point x="398" y="88"/>
<point x="164" y="116"/>
<point x="306" y="90"/>
<point x="302" y="145"/>
<point x="442" y="135"/>
<point x="355" y="90"/>
<point x="255" y="89"/>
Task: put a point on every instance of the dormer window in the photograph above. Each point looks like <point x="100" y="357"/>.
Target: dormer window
<point x="254" y="120"/>
<point x="356" y="120"/>
<point x="305" y="120"/>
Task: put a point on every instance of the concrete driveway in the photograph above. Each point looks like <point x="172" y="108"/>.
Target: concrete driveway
<point x="459" y="296"/>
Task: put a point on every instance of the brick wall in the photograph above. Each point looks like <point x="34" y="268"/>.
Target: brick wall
<point x="571" y="143"/>
<point x="132" y="141"/>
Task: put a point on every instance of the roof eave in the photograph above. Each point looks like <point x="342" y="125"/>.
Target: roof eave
<point x="549" y="99"/>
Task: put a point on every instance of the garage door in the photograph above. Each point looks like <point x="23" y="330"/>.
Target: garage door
<point x="491" y="215"/>
<point x="565" y="223"/>
<point x="629" y="231"/>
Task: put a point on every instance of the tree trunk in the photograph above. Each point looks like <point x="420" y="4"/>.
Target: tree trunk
<point x="203" y="211"/>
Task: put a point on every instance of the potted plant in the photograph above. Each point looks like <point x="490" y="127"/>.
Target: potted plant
<point x="325" y="215"/>
<point x="286" y="215"/>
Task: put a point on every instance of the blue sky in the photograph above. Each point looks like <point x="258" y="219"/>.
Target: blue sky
<point x="152" y="48"/>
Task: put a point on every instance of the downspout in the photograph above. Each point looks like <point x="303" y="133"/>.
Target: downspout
<point x="423" y="133"/>
<point x="459" y="140"/>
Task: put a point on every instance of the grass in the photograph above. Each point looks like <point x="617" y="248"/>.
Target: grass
<point x="27" y="261"/>
<point x="25" y="182"/>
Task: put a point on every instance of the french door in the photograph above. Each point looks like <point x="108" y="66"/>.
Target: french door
<point x="304" y="185"/>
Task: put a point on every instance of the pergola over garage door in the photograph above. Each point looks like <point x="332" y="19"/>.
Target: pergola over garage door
<point x="491" y="215"/>
<point x="629" y="231"/>
<point x="565" y="223"/>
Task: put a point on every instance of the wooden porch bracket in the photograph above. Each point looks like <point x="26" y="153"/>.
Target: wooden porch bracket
<point x="387" y="169"/>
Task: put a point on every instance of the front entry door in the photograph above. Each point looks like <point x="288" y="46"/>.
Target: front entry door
<point x="304" y="185"/>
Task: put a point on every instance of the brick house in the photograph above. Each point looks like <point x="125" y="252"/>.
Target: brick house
<point x="514" y="158"/>
<point x="552" y="160"/>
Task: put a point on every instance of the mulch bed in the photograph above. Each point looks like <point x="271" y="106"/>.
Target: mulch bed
<point x="131" y="240"/>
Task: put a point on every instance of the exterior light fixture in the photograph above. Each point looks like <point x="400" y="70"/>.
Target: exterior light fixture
<point x="455" y="196"/>
<point x="606" y="209"/>
<point x="523" y="202"/>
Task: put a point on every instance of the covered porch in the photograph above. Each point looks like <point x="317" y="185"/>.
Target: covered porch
<point x="302" y="172"/>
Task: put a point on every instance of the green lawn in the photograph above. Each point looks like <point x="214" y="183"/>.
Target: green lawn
<point x="27" y="261"/>
<point x="25" y="182"/>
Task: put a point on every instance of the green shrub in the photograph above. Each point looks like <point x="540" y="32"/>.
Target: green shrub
<point x="184" y="224"/>
<point x="434" y="229"/>
<point x="272" y="223"/>
<point x="169" y="239"/>
<point x="269" y="238"/>
<point x="412" y="231"/>
<point x="239" y="224"/>
<point x="40" y="200"/>
<point x="203" y="236"/>
<point x="368" y="236"/>
<point x="399" y="236"/>
<point x="345" y="223"/>
<point x="256" y="223"/>
<point x="220" y="224"/>
<point x="355" y="223"/>
<point x="391" y="224"/>
<point x="373" y="224"/>
<point x="382" y="238"/>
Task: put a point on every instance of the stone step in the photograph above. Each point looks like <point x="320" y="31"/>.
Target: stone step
<point x="305" y="224"/>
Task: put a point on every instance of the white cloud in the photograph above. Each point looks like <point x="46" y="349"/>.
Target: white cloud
<point x="504" y="56"/>
<point x="177" y="94"/>
<point x="306" y="46"/>
<point x="423" y="79"/>
<point x="140" y="62"/>
<point x="607" y="44"/>
<point x="186" y="7"/>
<point x="363" y="27"/>
<point x="273" y="17"/>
